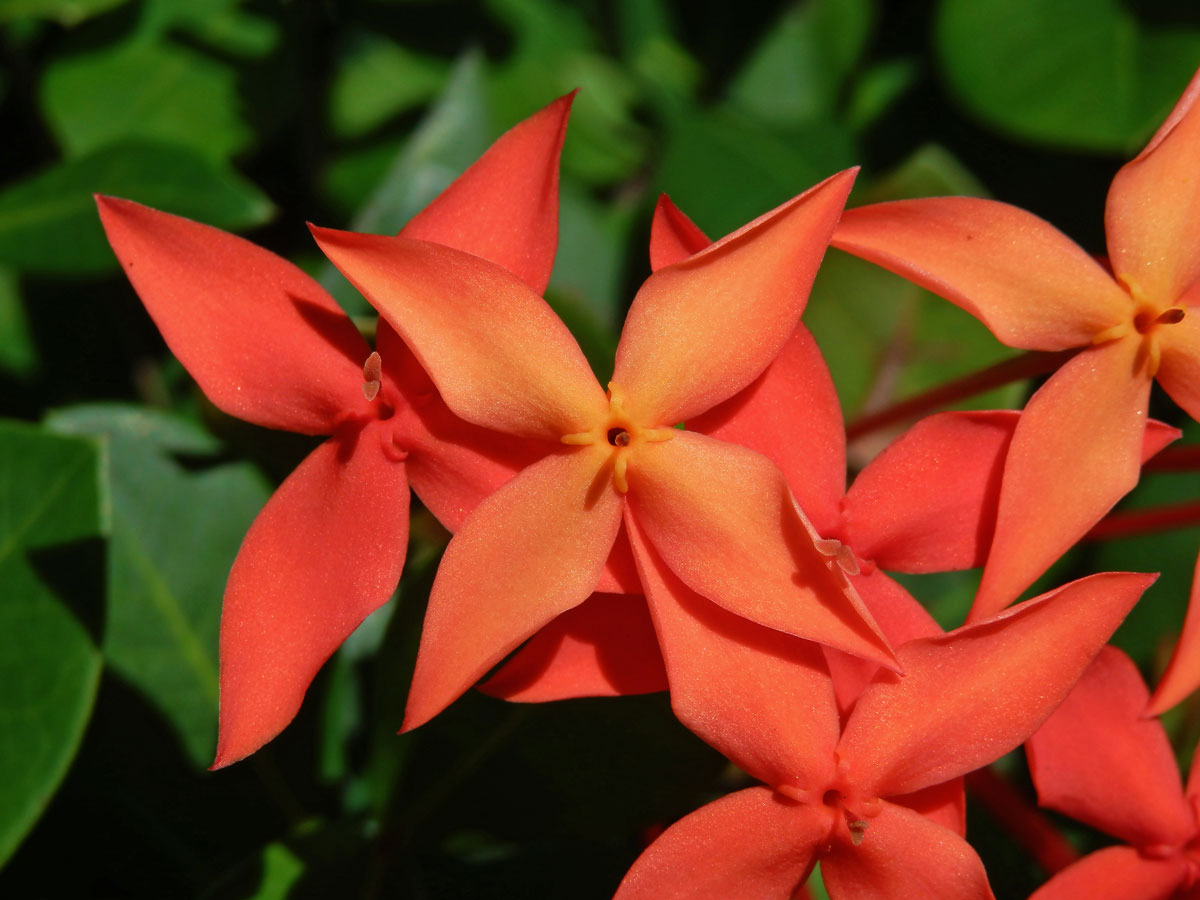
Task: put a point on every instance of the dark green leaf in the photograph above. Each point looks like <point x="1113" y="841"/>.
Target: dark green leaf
<point x="174" y="537"/>
<point x="218" y="23"/>
<point x="49" y="223"/>
<point x="65" y="12"/>
<point x="52" y="511"/>
<point x="377" y="79"/>
<point x="17" y="353"/>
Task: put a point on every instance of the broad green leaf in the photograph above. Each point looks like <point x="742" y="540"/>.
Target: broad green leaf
<point x="218" y="23"/>
<point x="65" y="12"/>
<point x="174" y="536"/>
<point x="796" y="73"/>
<point x="593" y="239"/>
<point x="281" y="869"/>
<point x="1083" y="74"/>
<point x="48" y="222"/>
<point x="144" y="89"/>
<point x="376" y="79"/>
<point x="17" y="353"/>
<point x="52" y="510"/>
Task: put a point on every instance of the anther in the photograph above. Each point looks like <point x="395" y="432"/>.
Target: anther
<point x="1172" y="316"/>
<point x="843" y="555"/>
<point x="372" y="375"/>
<point x="618" y="437"/>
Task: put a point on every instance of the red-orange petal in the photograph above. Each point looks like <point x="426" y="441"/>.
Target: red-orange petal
<point x="1098" y="759"/>
<point x="944" y="803"/>
<point x="752" y="844"/>
<point x="673" y="236"/>
<point x="1183" y="672"/>
<point x="505" y="206"/>
<point x="904" y="855"/>
<point x="701" y="330"/>
<point x="1116" y="873"/>
<point x="970" y="696"/>
<point x="497" y="353"/>
<point x="724" y="521"/>
<point x="1179" y="370"/>
<point x="1076" y="451"/>
<point x="791" y="415"/>
<point x="325" y="551"/>
<point x="1152" y="215"/>
<point x="264" y="341"/>
<point x="605" y="647"/>
<point x="1028" y="282"/>
<point x="761" y="697"/>
<point x="528" y="553"/>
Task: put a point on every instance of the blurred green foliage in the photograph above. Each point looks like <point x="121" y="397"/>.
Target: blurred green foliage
<point x="124" y="494"/>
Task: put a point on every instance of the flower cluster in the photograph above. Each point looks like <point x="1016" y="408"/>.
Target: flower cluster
<point x="687" y="527"/>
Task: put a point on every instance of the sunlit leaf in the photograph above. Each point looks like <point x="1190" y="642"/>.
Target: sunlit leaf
<point x="376" y="79"/>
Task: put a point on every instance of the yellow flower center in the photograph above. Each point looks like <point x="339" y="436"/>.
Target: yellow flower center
<point x="1145" y="323"/>
<point x="622" y="434"/>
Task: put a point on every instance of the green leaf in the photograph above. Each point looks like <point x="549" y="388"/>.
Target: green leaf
<point x="281" y="869"/>
<point x="52" y="508"/>
<point x="217" y="23"/>
<point x="795" y="75"/>
<point x="48" y="222"/>
<point x="174" y="536"/>
<point x="144" y="89"/>
<point x="377" y="79"/>
<point x="65" y="12"/>
<point x="17" y="353"/>
<point x="1083" y="74"/>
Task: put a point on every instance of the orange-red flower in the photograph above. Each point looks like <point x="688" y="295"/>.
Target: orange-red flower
<point x="721" y="516"/>
<point x="267" y="344"/>
<point x="1077" y="449"/>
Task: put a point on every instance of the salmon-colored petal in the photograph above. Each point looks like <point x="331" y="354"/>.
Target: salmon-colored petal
<point x="264" y="341"/>
<point x="1179" y="371"/>
<point x="1116" y="873"/>
<point x="904" y="855"/>
<point x="505" y="206"/>
<point x="791" y="415"/>
<point x="761" y="697"/>
<point x="1182" y="676"/>
<point x="927" y="503"/>
<point x="1076" y="451"/>
<point x="751" y="844"/>
<point x="1192" y="791"/>
<point x="1100" y="760"/>
<point x="605" y="647"/>
<point x="701" y="330"/>
<point x="968" y="697"/>
<point x="527" y="554"/>
<point x="898" y="615"/>
<point x="620" y="573"/>
<point x="724" y="521"/>
<point x="497" y="353"/>
<point x="673" y="236"/>
<point x="287" y="608"/>
<point x="1153" y="212"/>
<point x="944" y="803"/>
<point x="1024" y="279"/>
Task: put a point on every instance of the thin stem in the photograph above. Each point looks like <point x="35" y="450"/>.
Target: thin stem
<point x="1175" y="459"/>
<point x="1027" y="365"/>
<point x="1145" y="521"/>
<point x="1027" y="825"/>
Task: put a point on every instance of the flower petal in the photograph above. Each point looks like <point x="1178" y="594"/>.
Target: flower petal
<point x="904" y="855"/>
<point x="761" y="697"/>
<point x="1152" y="215"/>
<point x="791" y="415"/>
<point x="1099" y="760"/>
<point x="751" y="844"/>
<point x="605" y="647"/>
<point x="944" y="803"/>
<point x="1024" y="279"/>
<point x="970" y="696"/>
<point x="1183" y="672"/>
<point x="1116" y="873"/>
<point x="528" y="553"/>
<point x="288" y="608"/>
<point x="673" y="236"/>
<point x="1179" y="371"/>
<point x="724" y="521"/>
<point x="264" y="341"/>
<point x="927" y="503"/>
<point x="677" y="357"/>
<point x="497" y="353"/>
<point x="1076" y="451"/>
<point x="505" y="206"/>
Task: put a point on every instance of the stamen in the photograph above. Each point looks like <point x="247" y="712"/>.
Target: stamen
<point x="658" y="435"/>
<point x="1153" y="356"/>
<point x="844" y="556"/>
<point x="1111" y="334"/>
<point x="620" y="464"/>
<point x="579" y="439"/>
<point x="618" y="437"/>
<point x="1172" y="316"/>
<point x="858" y="829"/>
<point x="373" y="375"/>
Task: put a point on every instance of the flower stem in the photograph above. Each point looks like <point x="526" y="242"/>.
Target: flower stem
<point x="1027" y="365"/>
<point x="1027" y="825"/>
<point x="1146" y="521"/>
<point x="1175" y="459"/>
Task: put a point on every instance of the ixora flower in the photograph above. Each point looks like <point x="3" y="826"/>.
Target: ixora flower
<point x="1099" y="759"/>
<point x="267" y="344"/>
<point x="866" y="799"/>
<point x="721" y="515"/>
<point x="1076" y="451"/>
